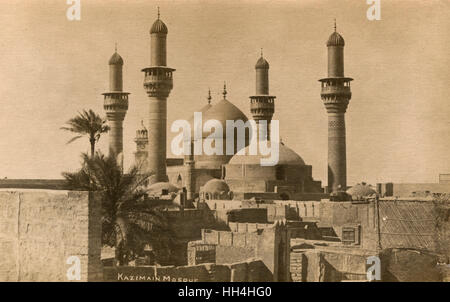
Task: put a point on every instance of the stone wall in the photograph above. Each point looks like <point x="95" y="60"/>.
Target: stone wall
<point x="339" y="215"/>
<point x="319" y="265"/>
<point x="270" y="244"/>
<point x="247" y="271"/>
<point x="40" y="229"/>
<point x="186" y="225"/>
<point x="298" y="267"/>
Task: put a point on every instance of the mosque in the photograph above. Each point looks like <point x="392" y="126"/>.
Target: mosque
<point x="227" y="176"/>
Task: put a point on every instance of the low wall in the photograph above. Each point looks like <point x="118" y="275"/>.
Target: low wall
<point x="41" y="229"/>
<point x="247" y="227"/>
<point x="249" y="271"/>
<point x="410" y="189"/>
<point x="302" y="209"/>
<point x="229" y="238"/>
<point x="223" y="204"/>
<point x="47" y="184"/>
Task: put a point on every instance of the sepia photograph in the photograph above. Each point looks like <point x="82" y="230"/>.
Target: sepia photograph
<point x="250" y="141"/>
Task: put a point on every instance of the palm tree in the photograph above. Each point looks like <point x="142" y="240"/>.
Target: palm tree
<point x="129" y="220"/>
<point x="87" y="123"/>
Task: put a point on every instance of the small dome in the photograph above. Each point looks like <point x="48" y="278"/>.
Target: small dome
<point x="116" y="59"/>
<point x="335" y="40"/>
<point x="216" y="186"/>
<point x="157" y="188"/>
<point x="286" y="157"/>
<point x="361" y="190"/>
<point x="159" y="27"/>
<point x="142" y="132"/>
<point x="262" y="64"/>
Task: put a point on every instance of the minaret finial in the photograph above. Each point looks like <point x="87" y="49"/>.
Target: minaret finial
<point x="209" y="96"/>
<point x="224" y="90"/>
<point x="261" y="52"/>
<point x="115" y="47"/>
<point x="158" y="13"/>
<point x="334" y="24"/>
<point x="142" y="123"/>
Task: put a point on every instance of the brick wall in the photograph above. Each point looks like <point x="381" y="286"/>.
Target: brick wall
<point x="252" y="271"/>
<point x="40" y="229"/>
<point x="298" y="267"/>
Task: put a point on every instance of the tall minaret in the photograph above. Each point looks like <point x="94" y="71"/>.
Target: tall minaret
<point x="336" y="95"/>
<point x="115" y="105"/>
<point x="141" y="153"/>
<point x="262" y="105"/>
<point x="158" y="84"/>
<point x="189" y="161"/>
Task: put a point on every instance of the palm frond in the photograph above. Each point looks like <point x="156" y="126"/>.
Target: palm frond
<point x="87" y="123"/>
<point x="129" y="221"/>
<point x="74" y="139"/>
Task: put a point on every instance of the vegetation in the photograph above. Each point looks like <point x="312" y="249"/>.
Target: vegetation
<point x="87" y="123"/>
<point x="129" y="220"/>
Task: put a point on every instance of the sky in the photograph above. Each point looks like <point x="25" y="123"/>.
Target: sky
<point x="397" y="122"/>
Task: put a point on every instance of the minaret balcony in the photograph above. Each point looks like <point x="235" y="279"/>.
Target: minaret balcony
<point x="267" y="106"/>
<point x="158" y="73"/>
<point x="336" y="91"/>
<point x="158" y="81"/>
<point x="115" y="101"/>
<point x="262" y="99"/>
<point x="339" y="87"/>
